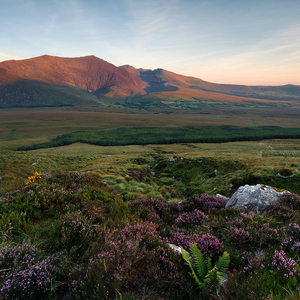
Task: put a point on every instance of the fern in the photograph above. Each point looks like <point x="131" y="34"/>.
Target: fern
<point x="198" y="260"/>
<point x="223" y="262"/>
<point x="204" y="274"/>
<point x="186" y="257"/>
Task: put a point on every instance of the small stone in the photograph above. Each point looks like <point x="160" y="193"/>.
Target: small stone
<point x="221" y="196"/>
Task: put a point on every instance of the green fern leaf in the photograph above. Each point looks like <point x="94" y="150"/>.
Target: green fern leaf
<point x="206" y="276"/>
<point x="198" y="261"/>
<point x="223" y="262"/>
<point x="208" y="264"/>
<point x="186" y="257"/>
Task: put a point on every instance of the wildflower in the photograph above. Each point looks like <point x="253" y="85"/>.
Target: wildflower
<point x="34" y="178"/>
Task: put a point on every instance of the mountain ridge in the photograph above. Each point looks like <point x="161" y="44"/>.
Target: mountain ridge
<point x="102" y="78"/>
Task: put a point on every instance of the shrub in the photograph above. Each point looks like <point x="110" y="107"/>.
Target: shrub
<point x="196" y="217"/>
<point x="71" y="234"/>
<point x="155" y="210"/>
<point x="23" y="274"/>
<point x="282" y="265"/>
<point x="207" y="243"/>
<point x="280" y="212"/>
<point x="204" y="202"/>
<point x="292" y="241"/>
<point x="252" y="231"/>
<point x="291" y="200"/>
<point x="293" y="230"/>
<point x="125" y="259"/>
<point x="240" y="236"/>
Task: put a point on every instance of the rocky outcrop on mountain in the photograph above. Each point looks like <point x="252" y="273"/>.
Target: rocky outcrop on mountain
<point x="255" y="198"/>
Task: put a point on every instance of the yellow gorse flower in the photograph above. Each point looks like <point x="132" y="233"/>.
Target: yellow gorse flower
<point x="34" y="178"/>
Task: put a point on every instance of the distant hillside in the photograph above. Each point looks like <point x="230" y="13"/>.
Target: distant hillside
<point x="164" y="81"/>
<point x="19" y="92"/>
<point x="55" y="81"/>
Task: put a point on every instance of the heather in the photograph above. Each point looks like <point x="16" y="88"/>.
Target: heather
<point x="68" y="235"/>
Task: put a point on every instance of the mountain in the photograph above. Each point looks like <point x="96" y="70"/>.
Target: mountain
<point x="190" y="87"/>
<point x="56" y="81"/>
<point x="89" y="73"/>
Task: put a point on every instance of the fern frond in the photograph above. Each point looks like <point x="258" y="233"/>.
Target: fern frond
<point x="198" y="260"/>
<point x="223" y="262"/>
<point x="186" y="257"/>
<point x="214" y="275"/>
<point x="210" y="278"/>
<point x="208" y="264"/>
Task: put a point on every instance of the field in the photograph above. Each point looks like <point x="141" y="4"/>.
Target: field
<point x="24" y="127"/>
<point x="118" y="166"/>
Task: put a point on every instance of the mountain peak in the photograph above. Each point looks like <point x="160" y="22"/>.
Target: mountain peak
<point x="89" y="72"/>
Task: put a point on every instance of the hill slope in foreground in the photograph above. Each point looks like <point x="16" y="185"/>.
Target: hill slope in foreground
<point x="56" y="81"/>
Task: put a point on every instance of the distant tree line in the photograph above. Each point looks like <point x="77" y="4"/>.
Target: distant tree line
<point x="169" y="135"/>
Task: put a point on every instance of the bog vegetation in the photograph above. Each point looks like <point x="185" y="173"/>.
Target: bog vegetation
<point x="104" y="232"/>
<point x="169" y="135"/>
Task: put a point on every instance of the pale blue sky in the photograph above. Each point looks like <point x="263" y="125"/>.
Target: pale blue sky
<point x="253" y="42"/>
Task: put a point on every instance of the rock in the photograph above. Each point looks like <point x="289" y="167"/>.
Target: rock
<point x="214" y="174"/>
<point x="175" y="248"/>
<point x="221" y="196"/>
<point x="254" y="197"/>
<point x="285" y="177"/>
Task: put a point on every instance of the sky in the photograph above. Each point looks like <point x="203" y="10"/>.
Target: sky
<point x="249" y="42"/>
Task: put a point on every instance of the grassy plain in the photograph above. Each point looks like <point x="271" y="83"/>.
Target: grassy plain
<point x="22" y="127"/>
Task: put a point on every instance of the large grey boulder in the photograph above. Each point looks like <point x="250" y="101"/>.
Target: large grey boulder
<point x="254" y="197"/>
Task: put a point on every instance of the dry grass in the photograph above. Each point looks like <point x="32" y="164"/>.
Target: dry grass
<point x="21" y="127"/>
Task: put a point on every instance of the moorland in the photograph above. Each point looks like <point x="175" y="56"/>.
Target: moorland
<point x="79" y="220"/>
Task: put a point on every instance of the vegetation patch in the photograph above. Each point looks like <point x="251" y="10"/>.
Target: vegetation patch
<point x="169" y="135"/>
